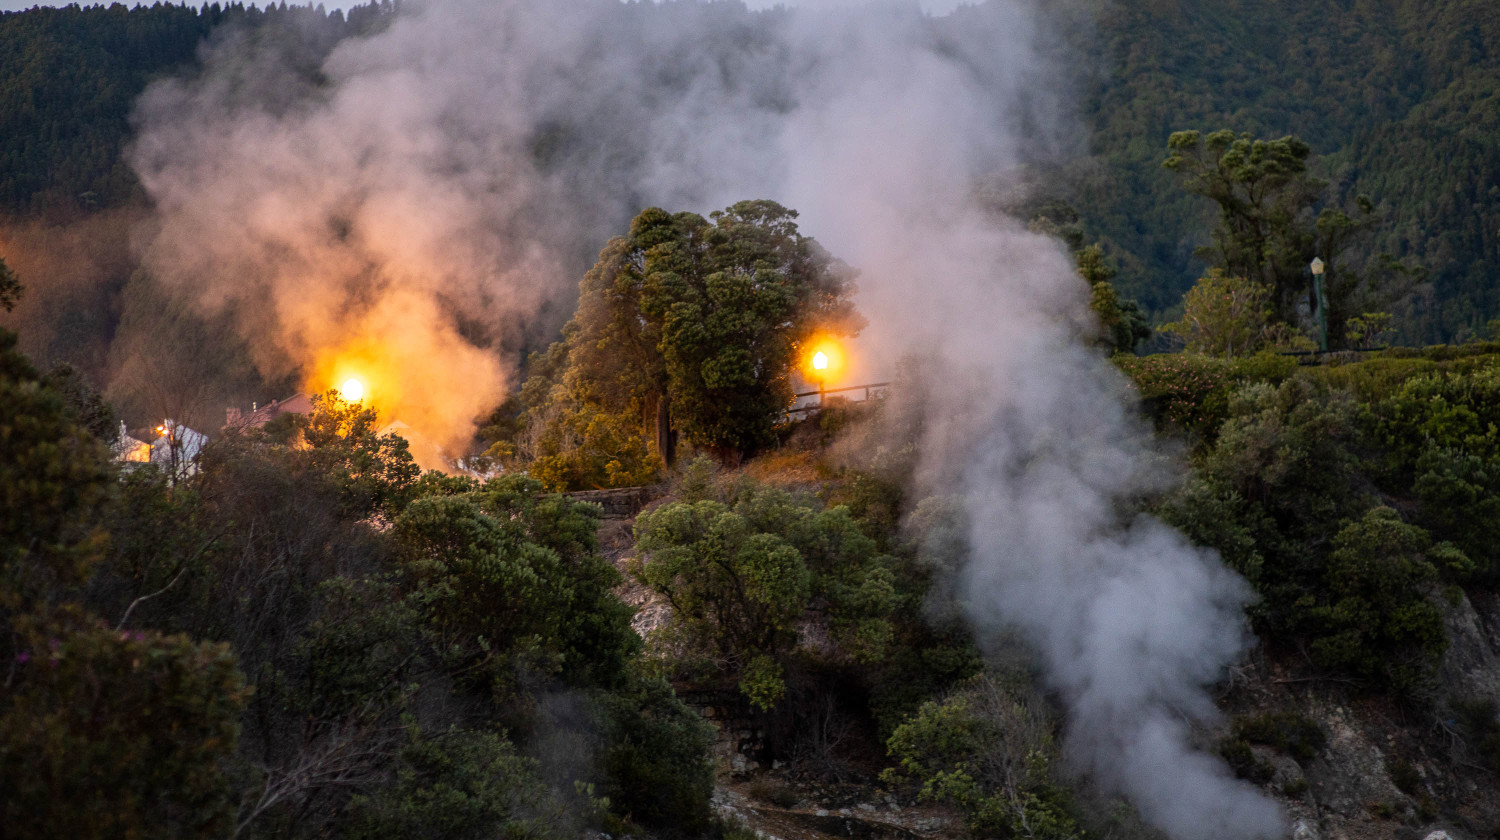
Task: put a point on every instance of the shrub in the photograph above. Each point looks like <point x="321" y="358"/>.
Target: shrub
<point x="1292" y="733"/>
<point x="1374" y="616"/>
<point x="458" y="784"/>
<point x="537" y="555"/>
<point x="1479" y="727"/>
<point x="988" y="751"/>
<point x="112" y="734"/>
<point x="1182" y="391"/>
<point x="654" y="752"/>
<point x="1237" y="753"/>
<point x="740" y="574"/>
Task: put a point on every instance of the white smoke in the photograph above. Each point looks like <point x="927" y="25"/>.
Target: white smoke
<point x="427" y="197"/>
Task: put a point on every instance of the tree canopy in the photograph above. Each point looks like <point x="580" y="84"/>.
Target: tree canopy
<point x="695" y="321"/>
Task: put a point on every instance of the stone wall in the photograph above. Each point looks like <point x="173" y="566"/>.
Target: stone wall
<point x="621" y="502"/>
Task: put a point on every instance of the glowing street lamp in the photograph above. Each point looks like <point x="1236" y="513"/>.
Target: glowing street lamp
<point x="820" y="369"/>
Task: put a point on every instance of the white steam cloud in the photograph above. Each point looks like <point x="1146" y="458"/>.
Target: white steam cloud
<point x="425" y="201"/>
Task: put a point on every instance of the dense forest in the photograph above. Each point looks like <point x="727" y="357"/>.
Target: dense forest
<point x="655" y="600"/>
<point x="1397" y="101"/>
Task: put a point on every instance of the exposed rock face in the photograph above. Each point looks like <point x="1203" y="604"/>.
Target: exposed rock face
<point x="1388" y="770"/>
<point x="1471" y="665"/>
<point x="1349" y="776"/>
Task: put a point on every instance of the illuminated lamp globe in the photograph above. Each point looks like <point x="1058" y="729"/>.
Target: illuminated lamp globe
<point x="820" y="360"/>
<point x="352" y="390"/>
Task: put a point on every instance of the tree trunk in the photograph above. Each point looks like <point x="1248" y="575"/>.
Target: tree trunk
<point x="666" y="439"/>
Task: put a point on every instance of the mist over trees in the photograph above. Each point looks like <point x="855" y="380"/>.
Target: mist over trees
<point x="1395" y="103"/>
<point x="997" y="588"/>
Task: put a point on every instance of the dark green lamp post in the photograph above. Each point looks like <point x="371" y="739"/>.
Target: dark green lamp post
<point x="1322" y="313"/>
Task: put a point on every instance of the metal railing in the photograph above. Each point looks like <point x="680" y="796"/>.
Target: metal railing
<point x="821" y="392"/>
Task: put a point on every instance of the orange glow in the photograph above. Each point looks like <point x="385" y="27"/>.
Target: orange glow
<point x="362" y="372"/>
<point x="825" y="359"/>
<point x="352" y="390"/>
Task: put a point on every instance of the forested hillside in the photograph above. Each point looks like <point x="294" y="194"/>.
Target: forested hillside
<point x="1036" y="584"/>
<point x="70" y="76"/>
<point x="1401" y="100"/>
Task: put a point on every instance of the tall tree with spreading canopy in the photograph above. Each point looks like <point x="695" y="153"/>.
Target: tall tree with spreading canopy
<point x="1262" y="188"/>
<point x="1267" y="232"/>
<point x="697" y="320"/>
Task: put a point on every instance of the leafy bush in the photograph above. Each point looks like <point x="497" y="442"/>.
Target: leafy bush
<point x="53" y="475"/>
<point x="455" y="785"/>
<point x="740" y="573"/>
<point x="1294" y="734"/>
<point x="1272" y="490"/>
<point x="1478" y="725"/>
<point x="654" y="752"/>
<point x="986" y="750"/>
<point x="1460" y="496"/>
<point x="510" y="545"/>
<point x="108" y="734"/>
<point x="1456" y="412"/>
<point x="1183" y="391"/>
<point x="1373" y="615"/>
<point x="1241" y="759"/>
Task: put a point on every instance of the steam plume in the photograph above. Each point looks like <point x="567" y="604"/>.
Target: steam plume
<point x="421" y="202"/>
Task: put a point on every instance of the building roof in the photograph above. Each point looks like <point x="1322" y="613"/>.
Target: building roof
<point x="260" y="415"/>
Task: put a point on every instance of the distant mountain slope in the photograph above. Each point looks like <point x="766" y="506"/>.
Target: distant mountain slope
<point x="1402" y="100"/>
<point x="70" y="76"/>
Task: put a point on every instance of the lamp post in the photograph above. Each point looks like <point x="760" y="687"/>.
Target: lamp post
<point x="820" y="365"/>
<point x="1322" y="303"/>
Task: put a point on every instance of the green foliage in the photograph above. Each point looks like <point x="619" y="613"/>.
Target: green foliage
<point x="584" y="430"/>
<point x="375" y="473"/>
<point x="508" y="544"/>
<point x="1123" y="324"/>
<point x="459" y="784"/>
<point x="1373" y="615"/>
<point x="1456" y="412"/>
<point x="1395" y="98"/>
<point x="53" y="476"/>
<point x="699" y="318"/>
<point x="1368" y="329"/>
<point x="71" y="76"/>
<point x="386" y="628"/>
<point x="1271" y="490"/>
<point x="1294" y="734"/>
<point x="740" y="573"/>
<point x="1478" y="724"/>
<point x="1404" y="776"/>
<point x="10" y="287"/>
<point x="655" y="757"/>
<point x="1262" y="187"/>
<point x="1220" y="518"/>
<point x="1441" y="433"/>
<point x="1241" y="759"/>
<point x="1231" y="316"/>
<point x="1181" y="390"/>
<point x="107" y="734"/>
<point x="986" y="750"/>
<point x="86" y="405"/>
